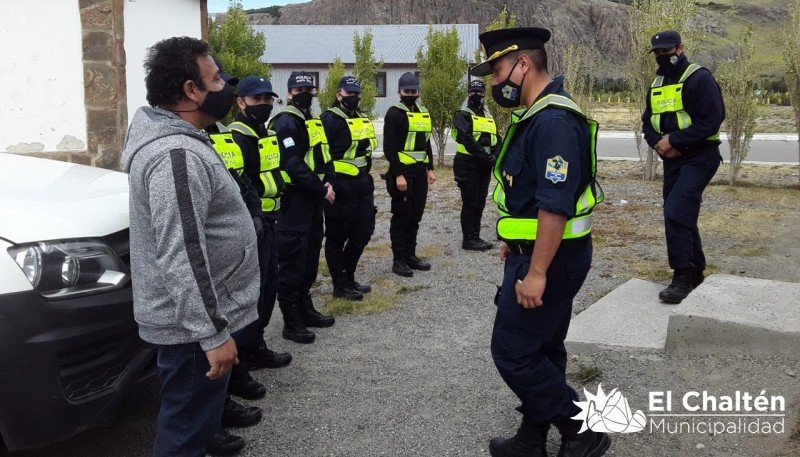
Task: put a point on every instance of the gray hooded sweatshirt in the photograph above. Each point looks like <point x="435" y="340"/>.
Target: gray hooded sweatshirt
<point x="193" y="247"/>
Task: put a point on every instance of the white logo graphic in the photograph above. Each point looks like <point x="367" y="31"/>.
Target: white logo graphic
<point x="608" y="413"/>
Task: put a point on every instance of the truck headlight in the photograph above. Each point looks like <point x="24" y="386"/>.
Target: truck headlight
<point x="70" y="268"/>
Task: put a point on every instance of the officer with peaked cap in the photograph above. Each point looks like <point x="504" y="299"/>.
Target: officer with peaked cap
<point x="407" y="147"/>
<point x="545" y="193"/>
<point x="350" y="221"/>
<point x="681" y="123"/>
<point x="477" y="145"/>
<point x="306" y="159"/>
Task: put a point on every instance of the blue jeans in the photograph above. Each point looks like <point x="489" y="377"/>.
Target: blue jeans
<point x="191" y="404"/>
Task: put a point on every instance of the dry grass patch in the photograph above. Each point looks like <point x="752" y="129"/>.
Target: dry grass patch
<point x="384" y="296"/>
<point x="379" y="250"/>
<point x="431" y="251"/>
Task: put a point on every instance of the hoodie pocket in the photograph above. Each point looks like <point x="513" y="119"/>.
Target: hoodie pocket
<point x="241" y="286"/>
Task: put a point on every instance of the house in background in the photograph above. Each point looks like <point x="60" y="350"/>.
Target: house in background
<point x="73" y="71"/>
<point x="313" y="48"/>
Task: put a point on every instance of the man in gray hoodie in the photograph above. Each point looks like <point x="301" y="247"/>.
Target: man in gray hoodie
<point x="193" y="246"/>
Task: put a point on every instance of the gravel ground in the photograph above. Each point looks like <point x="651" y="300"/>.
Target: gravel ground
<point x="418" y="379"/>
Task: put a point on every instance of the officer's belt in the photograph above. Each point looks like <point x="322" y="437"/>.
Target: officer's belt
<point x="566" y="246"/>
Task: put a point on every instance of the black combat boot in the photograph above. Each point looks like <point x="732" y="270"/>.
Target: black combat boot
<point x="486" y="245"/>
<point x="293" y="327"/>
<point x="472" y="244"/>
<point x="312" y="317"/>
<point x="342" y="288"/>
<point x="679" y="288"/>
<point x="263" y="357"/>
<point x="697" y="278"/>
<point x="225" y="444"/>
<point x="401" y="268"/>
<point x="530" y="441"/>
<point x="415" y="263"/>
<point x="235" y="415"/>
<point x="586" y="444"/>
<point x="363" y="288"/>
<point x="243" y="385"/>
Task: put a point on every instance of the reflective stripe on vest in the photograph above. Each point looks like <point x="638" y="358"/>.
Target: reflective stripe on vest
<point x="510" y="228"/>
<point x="418" y="122"/>
<point x="228" y="151"/>
<point x="361" y="128"/>
<point x="317" y="142"/>
<point x="669" y="99"/>
<point x="269" y="159"/>
<point x="480" y="125"/>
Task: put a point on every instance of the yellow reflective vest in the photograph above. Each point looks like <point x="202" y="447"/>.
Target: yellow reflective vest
<point x="418" y="123"/>
<point x="361" y="128"/>
<point x="481" y="125"/>
<point x="228" y="151"/>
<point x="521" y="229"/>
<point x="270" y="174"/>
<point x="669" y="99"/>
<point x="318" y="153"/>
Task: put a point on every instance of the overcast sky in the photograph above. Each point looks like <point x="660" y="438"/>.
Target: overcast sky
<point x="220" y="6"/>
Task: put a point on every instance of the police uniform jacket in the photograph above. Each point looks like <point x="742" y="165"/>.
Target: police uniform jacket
<point x="463" y="125"/>
<point x="702" y="100"/>
<point x="293" y="143"/>
<point x="248" y="191"/>
<point x="395" y="131"/>
<point x="339" y="137"/>
<point x="539" y="141"/>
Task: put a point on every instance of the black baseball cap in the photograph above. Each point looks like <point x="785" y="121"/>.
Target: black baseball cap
<point x="498" y="43"/>
<point x="349" y="84"/>
<point x="408" y="81"/>
<point x="301" y="79"/>
<point x="232" y="80"/>
<point x="254" y="85"/>
<point x="665" y="40"/>
<point x="476" y="85"/>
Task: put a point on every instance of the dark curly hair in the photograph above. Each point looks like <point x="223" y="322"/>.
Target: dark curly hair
<point x="170" y="63"/>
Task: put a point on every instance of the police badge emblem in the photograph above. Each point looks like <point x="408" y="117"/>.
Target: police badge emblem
<point x="556" y="169"/>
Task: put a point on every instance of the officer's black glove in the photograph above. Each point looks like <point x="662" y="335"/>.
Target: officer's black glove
<point x="258" y="224"/>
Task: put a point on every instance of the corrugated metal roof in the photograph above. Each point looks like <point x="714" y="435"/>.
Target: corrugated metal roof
<point x="288" y="44"/>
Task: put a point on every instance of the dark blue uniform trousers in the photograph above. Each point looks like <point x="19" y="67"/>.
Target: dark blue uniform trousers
<point x="528" y="344"/>
<point x="407" y="210"/>
<point x="268" y="264"/>
<point x="299" y="233"/>
<point x="685" y="179"/>
<point x="349" y="222"/>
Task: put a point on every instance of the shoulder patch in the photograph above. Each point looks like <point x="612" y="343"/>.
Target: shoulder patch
<point x="556" y="169"/>
<point x="288" y="142"/>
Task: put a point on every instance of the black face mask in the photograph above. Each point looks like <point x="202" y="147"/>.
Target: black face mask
<point x="476" y="100"/>
<point x="217" y="104"/>
<point x="303" y="100"/>
<point x="666" y="62"/>
<point x="350" y="102"/>
<point x="258" y="113"/>
<point x="409" y="100"/>
<point x="508" y="94"/>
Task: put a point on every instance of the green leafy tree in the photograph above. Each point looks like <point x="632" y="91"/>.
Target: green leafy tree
<point x="365" y="70"/>
<point x="646" y="18"/>
<point x="443" y="86"/>
<point x="791" y="54"/>
<point x="738" y="89"/>
<point x="578" y="75"/>
<point x="327" y="93"/>
<point x="502" y="116"/>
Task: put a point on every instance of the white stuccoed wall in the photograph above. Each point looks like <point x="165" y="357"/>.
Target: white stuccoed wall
<point x="41" y="103"/>
<point x="146" y="22"/>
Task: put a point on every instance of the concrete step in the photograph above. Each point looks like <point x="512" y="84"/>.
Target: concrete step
<point x="737" y="315"/>
<point x="725" y="315"/>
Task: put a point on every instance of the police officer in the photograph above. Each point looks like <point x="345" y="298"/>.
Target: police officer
<point x="407" y="147"/>
<point x="306" y="159"/>
<point x="350" y="221"/>
<point x="681" y="122"/>
<point x="261" y="161"/>
<point x="545" y="193"/>
<point x="477" y="143"/>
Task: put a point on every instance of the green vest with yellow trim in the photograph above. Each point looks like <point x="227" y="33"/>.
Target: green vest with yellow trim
<point x="269" y="159"/>
<point x="481" y="125"/>
<point x="418" y="122"/>
<point x="522" y="229"/>
<point x="361" y="128"/>
<point x="318" y="153"/>
<point x="669" y="99"/>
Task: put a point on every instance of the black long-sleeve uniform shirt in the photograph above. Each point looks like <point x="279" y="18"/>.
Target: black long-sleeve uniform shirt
<point x="293" y="142"/>
<point x="248" y="191"/>
<point x="395" y="131"/>
<point x="702" y="99"/>
<point x="463" y="125"/>
<point x="339" y="137"/>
